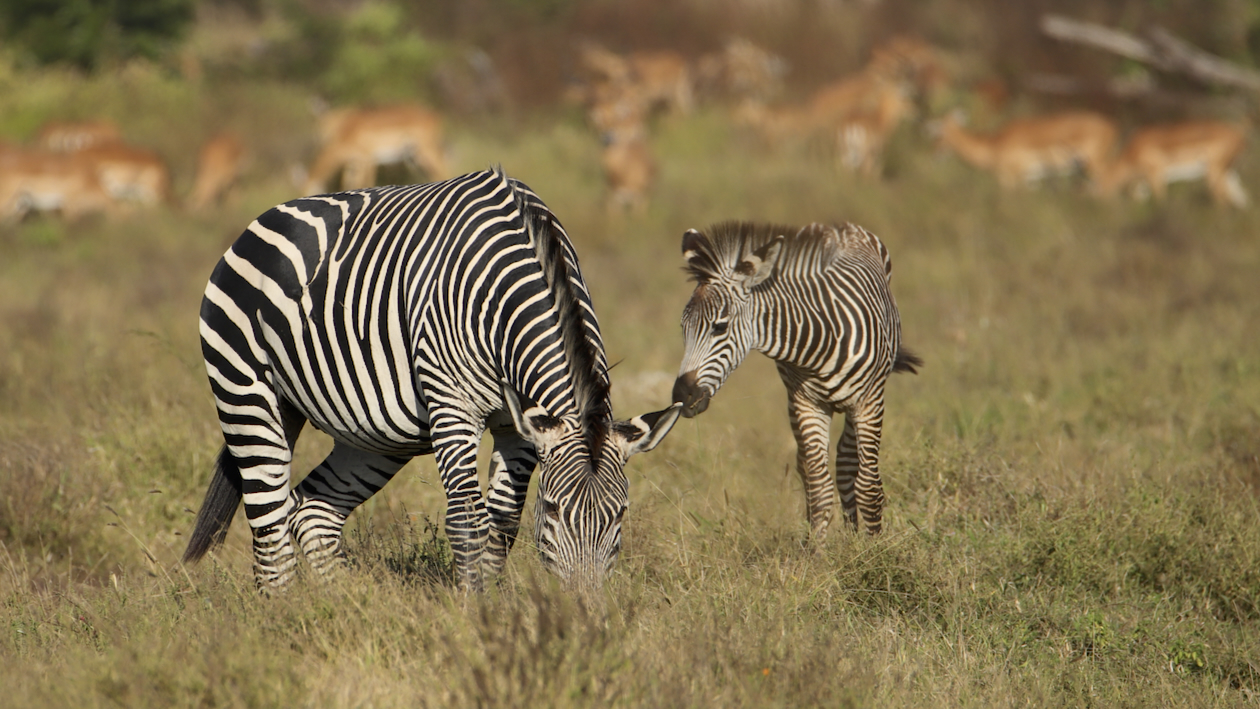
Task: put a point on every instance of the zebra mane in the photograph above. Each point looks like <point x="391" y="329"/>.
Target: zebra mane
<point x="588" y="368"/>
<point x="727" y="243"/>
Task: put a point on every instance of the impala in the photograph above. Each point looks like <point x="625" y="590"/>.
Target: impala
<point x="1158" y="155"/>
<point x="861" y="137"/>
<point x="357" y="141"/>
<point x="629" y="167"/>
<point x="218" y="166"/>
<point x="45" y="181"/>
<point x="130" y="173"/>
<point x="1030" y="149"/>
<point x="72" y="136"/>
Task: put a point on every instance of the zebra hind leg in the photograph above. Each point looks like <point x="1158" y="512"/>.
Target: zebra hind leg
<point x="869" y="491"/>
<point x="325" y="499"/>
<point x="512" y="464"/>
<point x="847" y="470"/>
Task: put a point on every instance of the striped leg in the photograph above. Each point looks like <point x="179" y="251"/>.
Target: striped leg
<point x="328" y="495"/>
<point x="847" y="470"/>
<point x="863" y="457"/>
<point x="455" y="441"/>
<point x="260" y="447"/>
<point x="811" y="426"/>
<point x="511" y="466"/>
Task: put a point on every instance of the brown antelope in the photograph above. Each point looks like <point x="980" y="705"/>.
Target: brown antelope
<point x="618" y="106"/>
<point x="862" y="136"/>
<point x="357" y="141"/>
<point x="898" y="66"/>
<point x="1158" y="155"/>
<point x="129" y="173"/>
<point x="664" y="79"/>
<point x="46" y="181"/>
<point x="629" y="166"/>
<point x="218" y="165"/>
<point x="660" y="77"/>
<point x="742" y="70"/>
<point x="72" y="136"/>
<point x="1030" y="149"/>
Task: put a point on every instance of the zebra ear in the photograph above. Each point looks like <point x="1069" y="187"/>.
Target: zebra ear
<point x="695" y="250"/>
<point x="643" y="433"/>
<point x="759" y="265"/>
<point x="531" y="420"/>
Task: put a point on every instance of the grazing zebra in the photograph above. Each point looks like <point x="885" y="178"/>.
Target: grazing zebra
<point x="816" y="301"/>
<point x="404" y="321"/>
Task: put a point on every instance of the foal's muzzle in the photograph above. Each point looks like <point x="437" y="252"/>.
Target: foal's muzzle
<point x="694" y="399"/>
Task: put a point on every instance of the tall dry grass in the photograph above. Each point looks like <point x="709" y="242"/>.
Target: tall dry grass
<point x="1072" y="479"/>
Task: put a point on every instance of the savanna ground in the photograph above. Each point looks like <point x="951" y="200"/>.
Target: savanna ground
<point x="1073" y="479"/>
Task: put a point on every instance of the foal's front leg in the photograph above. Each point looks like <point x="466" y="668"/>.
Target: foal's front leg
<point x="811" y="426"/>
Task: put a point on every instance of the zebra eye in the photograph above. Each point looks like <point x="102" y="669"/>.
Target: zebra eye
<point x="719" y="328"/>
<point x="551" y="510"/>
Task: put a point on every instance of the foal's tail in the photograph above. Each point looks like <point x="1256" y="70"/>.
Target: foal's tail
<point x="907" y="361"/>
<point x="218" y="509"/>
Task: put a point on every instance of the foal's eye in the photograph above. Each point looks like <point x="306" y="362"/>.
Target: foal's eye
<point x="719" y="328"/>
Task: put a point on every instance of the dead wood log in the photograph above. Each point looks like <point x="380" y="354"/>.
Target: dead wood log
<point x="1160" y="49"/>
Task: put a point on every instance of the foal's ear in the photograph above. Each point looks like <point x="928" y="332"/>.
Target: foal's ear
<point x="531" y="420"/>
<point x="697" y="253"/>
<point x="692" y="242"/>
<point x="756" y="267"/>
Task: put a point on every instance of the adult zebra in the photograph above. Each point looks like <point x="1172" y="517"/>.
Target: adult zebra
<point x="404" y="321"/>
<point x="816" y="300"/>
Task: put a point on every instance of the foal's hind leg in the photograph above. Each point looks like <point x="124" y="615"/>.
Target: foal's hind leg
<point x="857" y="466"/>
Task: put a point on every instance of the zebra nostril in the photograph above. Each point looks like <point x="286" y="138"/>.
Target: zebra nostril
<point x="688" y="392"/>
<point x="685" y="389"/>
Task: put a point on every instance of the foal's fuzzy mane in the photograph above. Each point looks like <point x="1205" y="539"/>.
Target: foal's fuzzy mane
<point x="729" y="242"/>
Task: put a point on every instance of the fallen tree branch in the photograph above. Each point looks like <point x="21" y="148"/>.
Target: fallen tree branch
<point x="1099" y="37"/>
<point x="1191" y="60"/>
<point x="1161" y="50"/>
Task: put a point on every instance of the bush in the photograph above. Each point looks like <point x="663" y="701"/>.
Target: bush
<point x="88" y="33"/>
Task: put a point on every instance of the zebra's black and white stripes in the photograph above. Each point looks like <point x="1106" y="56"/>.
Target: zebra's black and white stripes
<point x="817" y="301"/>
<point x="403" y="321"/>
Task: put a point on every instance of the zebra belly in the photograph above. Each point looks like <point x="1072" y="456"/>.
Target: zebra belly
<point x="387" y="418"/>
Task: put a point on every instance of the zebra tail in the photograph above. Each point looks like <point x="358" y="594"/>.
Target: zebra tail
<point x="907" y="361"/>
<point x="218" y="509"/>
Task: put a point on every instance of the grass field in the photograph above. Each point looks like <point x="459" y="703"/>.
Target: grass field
<point x="1073" y="479"/>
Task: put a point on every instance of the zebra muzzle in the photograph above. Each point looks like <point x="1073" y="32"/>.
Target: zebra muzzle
<point x="692" y="396"/>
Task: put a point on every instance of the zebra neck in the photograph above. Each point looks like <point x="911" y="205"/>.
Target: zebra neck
<point x="787" y="319"/>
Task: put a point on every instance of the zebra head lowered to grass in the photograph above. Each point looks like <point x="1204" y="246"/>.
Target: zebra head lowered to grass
<point x="816" y="300"/>
<point x="405" y="321"/>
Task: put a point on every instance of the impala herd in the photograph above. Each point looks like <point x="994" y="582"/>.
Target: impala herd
<point x="81" y="168"/>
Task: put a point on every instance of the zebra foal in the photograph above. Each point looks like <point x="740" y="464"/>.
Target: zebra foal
<point x="405" y="321"/>
<point x="816" y="300"/>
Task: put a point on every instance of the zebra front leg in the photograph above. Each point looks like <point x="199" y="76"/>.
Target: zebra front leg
<point x="455" y="442"/>
<point x="511" y="466"/>
<point x="811" y="426"/>
<point x="867" y="490"/>
<point x="328" y="495"/>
